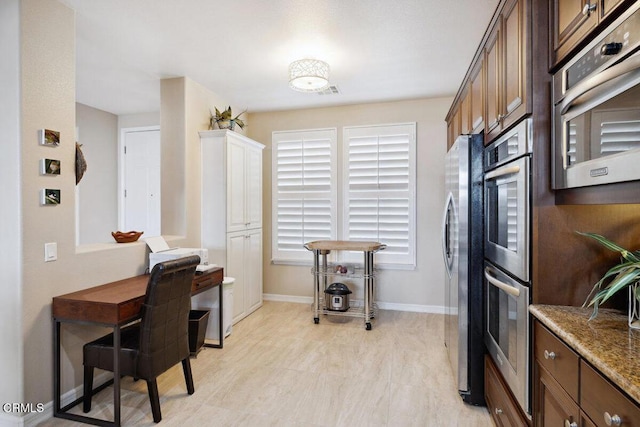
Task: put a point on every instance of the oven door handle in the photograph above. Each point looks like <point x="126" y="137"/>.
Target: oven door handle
<point x="499" y="284"/>
<point x="502" y="172"/>
<point x="628" y="73"/>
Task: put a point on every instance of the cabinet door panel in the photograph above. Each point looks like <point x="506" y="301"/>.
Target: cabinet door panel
<point x="492" y="60"/>
<point x="236" y="268"/>
<point x="476" y="91"/>
<point x="253" y="276"/>
<point x="569" y="25"/>
<point x="556" y="406"/>
<point x="599" y="397"/>
<point x="465" y="115"/>
<point x="254" y="188"/>
<point x="236" y="177"/>
<point x="514" y="57"/>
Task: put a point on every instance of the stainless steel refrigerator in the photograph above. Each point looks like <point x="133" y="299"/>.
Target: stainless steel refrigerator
<point x="462" y="247"/>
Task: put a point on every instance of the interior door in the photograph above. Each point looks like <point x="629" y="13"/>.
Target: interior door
<point x="141" y="182"/>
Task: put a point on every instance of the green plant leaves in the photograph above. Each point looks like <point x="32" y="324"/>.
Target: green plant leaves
<point x="619" y="277"/>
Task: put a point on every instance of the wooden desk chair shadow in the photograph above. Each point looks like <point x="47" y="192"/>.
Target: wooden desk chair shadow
<point x="156" y="343"/>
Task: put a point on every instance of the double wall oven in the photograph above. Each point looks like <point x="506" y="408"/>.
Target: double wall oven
<point x="507" y="198"/>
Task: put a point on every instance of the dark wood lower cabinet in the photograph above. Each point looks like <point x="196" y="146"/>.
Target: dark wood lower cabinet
<point x="597" y="404"/>
<point x="555" y="407"/>
<point x="502" y="406"/>
<point x="604" y="403"/>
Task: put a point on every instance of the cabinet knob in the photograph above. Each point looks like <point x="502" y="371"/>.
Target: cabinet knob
<point x="498" y="411"/>
<point x="588" y="8"/>
<point x="568" y="423"/>
<point x="549" y="355"/>
<point x="612" y="420"/>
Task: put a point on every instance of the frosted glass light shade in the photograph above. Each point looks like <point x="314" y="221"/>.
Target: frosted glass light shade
<point x="309" y="75"/>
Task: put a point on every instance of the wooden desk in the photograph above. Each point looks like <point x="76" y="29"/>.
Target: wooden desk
<point x="114" y="305"/>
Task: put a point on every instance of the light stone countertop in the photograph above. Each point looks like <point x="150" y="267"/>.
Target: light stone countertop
<point x="606" y="342"/>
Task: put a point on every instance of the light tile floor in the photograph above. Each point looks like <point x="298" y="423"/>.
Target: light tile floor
<point x="278" y="368"/>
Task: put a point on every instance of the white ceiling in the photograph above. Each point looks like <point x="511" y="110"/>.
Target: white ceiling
<point x="378" y="50"/>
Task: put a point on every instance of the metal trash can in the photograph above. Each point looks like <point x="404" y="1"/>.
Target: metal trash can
<point x="227" y="312"/>
<point x="337" y="297"/>
<point x="210" y="300"/>
<point x="198" y="320"/>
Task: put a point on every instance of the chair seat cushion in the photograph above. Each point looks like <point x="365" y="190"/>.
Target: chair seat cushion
<point x="99" y="353"/>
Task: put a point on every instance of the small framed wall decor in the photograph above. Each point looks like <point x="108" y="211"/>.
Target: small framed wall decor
<point x="48" y="137"/>
<point x="49" y="196"/>
<point x="49" y="167"/>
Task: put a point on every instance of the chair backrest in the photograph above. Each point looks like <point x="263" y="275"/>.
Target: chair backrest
<point x="164" y="326"/>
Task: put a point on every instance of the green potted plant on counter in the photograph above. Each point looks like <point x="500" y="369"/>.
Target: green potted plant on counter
<point x="623" y="276"/>
<point x="225" y="119"/>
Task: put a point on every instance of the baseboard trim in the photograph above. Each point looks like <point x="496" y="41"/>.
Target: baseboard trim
<point x="35" y="418"/>
<point x="416" y="308"/>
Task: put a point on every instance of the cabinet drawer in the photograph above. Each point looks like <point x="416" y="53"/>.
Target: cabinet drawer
<point x="558" y="359"/>
<point x="502" y="407"/>
<point x="599" y="399"/>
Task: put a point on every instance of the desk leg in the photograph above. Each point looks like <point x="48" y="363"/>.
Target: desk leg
<point x="221" y="330"/>
<point x="56" y="368"/>
<point x="60" y="412"/>
<point x="116" y="375"/>
<point x="368" y="288"/>
<point x="316" y="285"/>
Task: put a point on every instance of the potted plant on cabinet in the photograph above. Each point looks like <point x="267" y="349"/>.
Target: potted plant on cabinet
<point x="623" y="276"/>
<point x="224" y="119"/>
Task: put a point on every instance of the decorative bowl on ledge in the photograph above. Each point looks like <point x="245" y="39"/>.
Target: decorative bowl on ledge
<point x="126" y="237"/>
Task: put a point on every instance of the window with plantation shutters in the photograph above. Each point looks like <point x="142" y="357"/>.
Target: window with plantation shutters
<point x="379" y="189"/>
<point x="304" y="191"/>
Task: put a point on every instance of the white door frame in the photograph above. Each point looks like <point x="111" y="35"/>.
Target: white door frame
<point x="121" y="167"/>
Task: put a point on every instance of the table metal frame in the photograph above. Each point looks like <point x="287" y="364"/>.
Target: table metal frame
<point x="125" y="311"/>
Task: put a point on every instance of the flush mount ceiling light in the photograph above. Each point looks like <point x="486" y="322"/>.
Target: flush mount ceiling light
<point x="308" y="75"/>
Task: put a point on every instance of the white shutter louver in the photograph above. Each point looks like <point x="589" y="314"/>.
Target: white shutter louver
<point x="380" y="188"/>
<point x="303" y="191"/>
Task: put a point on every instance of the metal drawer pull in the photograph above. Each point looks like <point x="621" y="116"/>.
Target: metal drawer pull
<point x="588" y="8"/>
<point x="498" y="411"/>
<point x="549" y="355"/>
<point x="568" y="423"/>
<point x="612" y="420"/>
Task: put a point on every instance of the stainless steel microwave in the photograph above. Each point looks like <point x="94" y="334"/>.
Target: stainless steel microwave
<point x="596" y="109"/>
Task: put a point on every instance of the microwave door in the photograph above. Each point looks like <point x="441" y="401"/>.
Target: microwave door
<point x="601" y="87"/>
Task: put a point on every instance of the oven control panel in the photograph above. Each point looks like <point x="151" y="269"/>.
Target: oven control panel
<point x="614" y="45"/>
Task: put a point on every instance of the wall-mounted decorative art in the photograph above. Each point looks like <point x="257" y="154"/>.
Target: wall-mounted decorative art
<point x="49" y="137"/>
<point x="49" y="167"/>
<point x="49" y="196"/>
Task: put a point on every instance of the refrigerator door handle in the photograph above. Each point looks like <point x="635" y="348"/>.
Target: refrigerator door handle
<point x="446" y="233"/>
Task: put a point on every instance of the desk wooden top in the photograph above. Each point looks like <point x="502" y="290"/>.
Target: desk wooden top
<point x="116" y="303"/>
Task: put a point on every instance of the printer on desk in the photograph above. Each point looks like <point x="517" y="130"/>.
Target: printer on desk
<point x="160" y="252"/>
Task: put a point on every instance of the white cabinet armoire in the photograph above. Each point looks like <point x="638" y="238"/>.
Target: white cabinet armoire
<point x="232" y="213"/>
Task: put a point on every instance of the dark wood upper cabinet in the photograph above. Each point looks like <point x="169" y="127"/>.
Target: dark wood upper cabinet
<point x="477" y="94"/>
<point x="572" y="22"/>
<point x="506" y="69"/>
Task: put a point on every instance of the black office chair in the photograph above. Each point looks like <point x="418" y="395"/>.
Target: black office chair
<point x="156" y="343"/>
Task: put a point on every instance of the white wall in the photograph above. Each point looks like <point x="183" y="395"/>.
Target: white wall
<point x="11" y="364"/>
<point x="420" y="289"/>
<point x="97" y="192"/>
